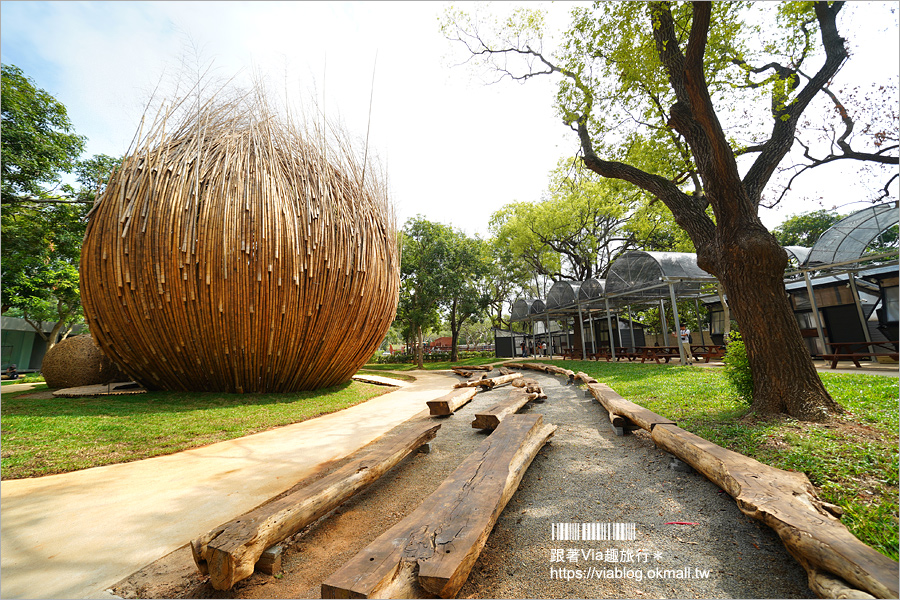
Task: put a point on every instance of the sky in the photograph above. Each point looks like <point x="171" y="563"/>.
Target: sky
<point x="454" y="148"/>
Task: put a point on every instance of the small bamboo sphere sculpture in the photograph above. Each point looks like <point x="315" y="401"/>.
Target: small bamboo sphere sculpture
<point x="231" y="253"/>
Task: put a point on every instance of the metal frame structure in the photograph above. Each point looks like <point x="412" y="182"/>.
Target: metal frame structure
<point x="642" y="277"/>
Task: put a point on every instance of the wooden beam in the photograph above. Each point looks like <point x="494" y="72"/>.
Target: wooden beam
<point x="431" y="552"/>
<point x="618" y="405"/>
<point x="229" y="552"/>
<point x="494" y="382"/>
<point x="448" y="404"/>
<point x="584" y="377"/>
<point x="490" y="419"/>
<point x="489" y="382"/>
<point x="787" y="502"/>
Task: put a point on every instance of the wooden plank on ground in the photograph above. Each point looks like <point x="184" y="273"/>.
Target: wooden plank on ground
<point x="431" y="552"/>
<point x="489" y="382"/>
<point x="491" y="418"/>
<point x="560" y="371"/>
<point x="584" y="377"/>
<point x="787" y="502"/>
<point x="229" y="552"/>
<point x="530" y="385"/>
<point x="448" y="404"/>
<point x="618" y="405"/>
<point x="494" y="382"/>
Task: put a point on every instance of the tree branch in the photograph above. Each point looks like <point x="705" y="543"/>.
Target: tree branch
<point x="785" y="121"/>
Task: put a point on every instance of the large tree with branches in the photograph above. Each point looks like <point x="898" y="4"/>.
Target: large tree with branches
<point x="654" y="93"/>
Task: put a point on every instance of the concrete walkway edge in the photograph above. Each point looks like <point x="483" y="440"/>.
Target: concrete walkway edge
<point x="76" y="534"/>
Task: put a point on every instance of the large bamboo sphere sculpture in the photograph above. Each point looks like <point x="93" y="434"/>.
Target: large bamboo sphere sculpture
<point x="233" y="253"/>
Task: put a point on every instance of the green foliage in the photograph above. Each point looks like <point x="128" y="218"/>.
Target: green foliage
<point x="619" y="83"/>
<point x="687" y="315"/>
<point x="806" y="228"/>
<point x="441" y="268"/>
<point x="42" y="230"/>
<point x="467" y="294"/>
<point x="38" y="143"/>
<point x="41" y="249"/>
<point x="737" y="367"/>
<point x="582" y="225"/>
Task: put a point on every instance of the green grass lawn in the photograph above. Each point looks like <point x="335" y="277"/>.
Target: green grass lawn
<point x="852" y="459"/>
<point x="56" y="435"/>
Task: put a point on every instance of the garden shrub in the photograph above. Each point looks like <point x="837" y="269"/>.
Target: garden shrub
<point x="737" y="367"/>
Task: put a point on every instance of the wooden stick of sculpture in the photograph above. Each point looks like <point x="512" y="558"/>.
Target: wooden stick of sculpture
<point x="228" y="254"/>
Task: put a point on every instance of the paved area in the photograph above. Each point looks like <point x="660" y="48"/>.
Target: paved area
<point x="76" y="534"/>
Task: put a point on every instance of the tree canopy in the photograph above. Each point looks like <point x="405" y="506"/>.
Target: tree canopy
<point x="442" y="270"/>
<point x="806" y="228"/>
<point x="583" y="224"/>
<point x="696" y="104"/>
<point x="43" y="219"/>
<point x="38" y="141"/>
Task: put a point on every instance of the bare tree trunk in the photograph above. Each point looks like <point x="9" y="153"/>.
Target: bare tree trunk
<point x="454" y="333"/>
<point x="420" y="347"/>
<point x="751" y="267"/>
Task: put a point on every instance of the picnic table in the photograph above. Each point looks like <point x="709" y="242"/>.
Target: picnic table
<point x="573" y="353"/>
<point x="856" y="350"/>
<point x="708" y="351"/>
<point x="658" y="352"/>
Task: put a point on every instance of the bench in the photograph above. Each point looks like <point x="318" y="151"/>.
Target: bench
<point x="229" y="552"/>
<point x="431" y="552"/>
<point x="449" y="403"/>
<point x="491" y="418"/>
<point x="857" y="350"/>
<point x="708" y="351"/>
<point x="659" y="352"/>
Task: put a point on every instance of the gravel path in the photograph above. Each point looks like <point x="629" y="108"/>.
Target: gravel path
<point x="586" y="474"/>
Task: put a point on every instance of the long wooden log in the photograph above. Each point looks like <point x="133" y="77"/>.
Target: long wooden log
<point x="431" y="552"/>
<point x="618" y="405"/>
<point x="530" y="385"/>
<point x="783" y="500"/>
<point x="474" y="367"/>
<point x="448" y="404"/>
<point x="787" y="502"/>
<point x="229" y="552"/>
<point x="560" y="371"/>
<point x="491" y="418"/>
<point x="489" y="382"/>
<point x="584" y="377"/>
<point x="514" y="365"/>
<point x="494" y="382"/>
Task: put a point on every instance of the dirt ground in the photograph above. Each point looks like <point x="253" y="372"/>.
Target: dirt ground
<point x="690" y="538"/>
